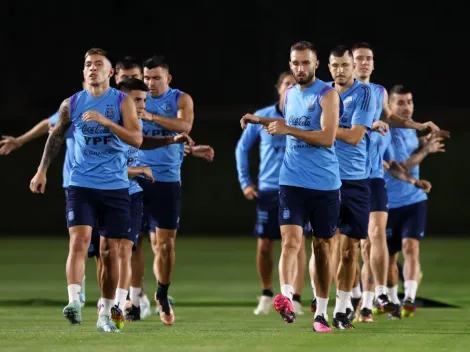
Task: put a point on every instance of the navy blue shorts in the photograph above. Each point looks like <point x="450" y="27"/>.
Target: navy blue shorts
<point x="267" y="216"/>
<point x="136" y="223"/>
<point x="301" y="206"/>
<point x="355" y="208"/>
<point x="378" y="195"/>
<point x="405" y="222"/>
<point x="108" y="208"/>
<point x="162" y="205"/>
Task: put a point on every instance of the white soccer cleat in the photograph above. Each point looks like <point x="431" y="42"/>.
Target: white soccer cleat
<point x="106" y="324"/>
<point x="298" y="308"/>
<point x="145" y="308"/>
<point x="264" y="305"/>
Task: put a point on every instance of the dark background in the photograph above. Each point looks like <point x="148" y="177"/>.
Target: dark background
<point x="227" y="56"/>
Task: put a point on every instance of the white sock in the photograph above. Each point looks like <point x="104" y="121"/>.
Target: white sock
<point x="106" y="305"/>
<point x="322" y="305"/>
<point x="393" y="294"/>
<point x="349" y="305"/>
<point x="134" y="294"/>
<point x="367" y="299"/>
<point x="342" y="298"/>
<point x="411" y="287"/>
<point x="83" y="281"/>
<point x="121" y="298"/>
<point x="74" y="293"/>
<point x="313" y="288"/>
<point x="380" y="290"/>
<point x="356" y="292"/>
<point x="287" y="291"/>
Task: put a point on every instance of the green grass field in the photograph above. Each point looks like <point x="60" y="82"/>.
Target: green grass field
<point x="215" y="286"/>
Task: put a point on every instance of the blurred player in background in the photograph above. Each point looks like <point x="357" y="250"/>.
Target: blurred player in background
<point x="272" y="149"/>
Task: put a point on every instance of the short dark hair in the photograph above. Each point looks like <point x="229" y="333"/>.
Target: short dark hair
<point x="340" y="50"/>
<point x="281" y="78"/>
<point x="156" y="61"/>
<point x="130" y="84"/>
<point x="304" y="45"/>
<point x="399" y="89"/>
<point x="98" y="51"/>
<point x="128" y="63"/>
<point x="362" y="45"/>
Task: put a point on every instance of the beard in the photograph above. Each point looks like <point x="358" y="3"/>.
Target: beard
<point x="306" y="79"/>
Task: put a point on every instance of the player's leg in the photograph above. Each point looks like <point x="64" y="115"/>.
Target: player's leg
<point x="267" y="232"/>
<point x="292" y="219"/>
<point x="167" y="217"/>
<point x="323" y="218"/>
<point x="392" y="285"/>
<point x="356" y="293"/>
<point x="364" y="315"/>
<point x="115" y="252"/>
<point x="94" y="252"/>
<point x="354" y="220"/>
<point x="137" y="258"/>
<point x="80" y="218"/>
<point x="413" y="231"/>
<point x="300" y="277"/>
<point x="264" y="266"/>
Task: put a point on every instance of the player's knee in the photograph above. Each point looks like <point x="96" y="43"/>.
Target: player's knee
<point x="79" y="245"/>
<point x="350" y="251"/>
<point x="321" y="245"/>
<point x="291" y="243"/>
<point x="365" y="250"/>
<point x="264" y="247"/>
<point x="125" y="250"/>
<point x="410" y="248"/>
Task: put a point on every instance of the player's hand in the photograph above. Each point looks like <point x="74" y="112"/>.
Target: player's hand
<point x="250" y="192"/>
<point x="278" y="126"/>
<point x="147" y="116"/>
<point x="424" y="185"/>
<point x="95" y="116"/>
<point x="183" y="138"/>
<point x="8" y="144"/>
<point x="381" y="127"/>
<point x="434" y="145"/>
<point x="429" y="126"/>
<point x="187" y="150"/>
<point x="248" y="118"/>
<point x="147" y="172"/>
<point x="205" y="152"/>
<point x="38" y="183"/>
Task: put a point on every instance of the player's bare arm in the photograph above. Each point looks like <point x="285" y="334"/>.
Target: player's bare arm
<point x="150" y="142"/>
<point x="400" y="122"/>
<point x="184" y="120"/>
<point x="56" y="137"/>
<point x="53" y="145"/>
<point x="329" y="123"/>
<point x="9" y="143"/>
<point x="433" y="145"/>
<point x="130" y="133"/>
<point x="135" y="171"/>
<point x="256" y="120"/>
<point x="396" y="170"/>
<point x="351" y="135"/>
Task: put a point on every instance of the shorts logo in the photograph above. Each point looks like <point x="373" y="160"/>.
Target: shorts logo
<point x="91" y="248"/>
<point x="389" y="232"/>
<point x="286" y="214"/>
<point x="259" y="228"/>
<point x="71" y="215"/>
<point x="130" y="229"/>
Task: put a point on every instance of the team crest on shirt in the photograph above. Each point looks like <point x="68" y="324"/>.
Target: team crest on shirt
<point x="311" y="104"/>
<point x="286" y="214"/>
<point x="109" y="112"/>
<point x="168" y="108"/>
<point x="347" y="102"/>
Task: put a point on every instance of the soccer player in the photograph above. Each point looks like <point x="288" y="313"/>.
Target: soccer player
<point x="272" y="149"/>
<point x="352" y="148"/>
<point x="168" y="112"/>
<point x="98" y="187"/>
<point x="374" y="249"/>
<point x="309" y="177"/>
<point x="137" y="90"/>
<point x="407" y="203"/>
